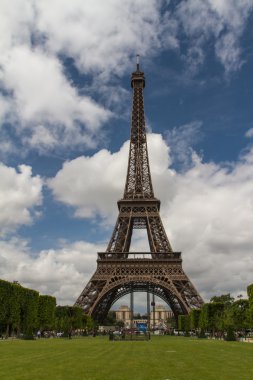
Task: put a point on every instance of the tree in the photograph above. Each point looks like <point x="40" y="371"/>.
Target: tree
<point x="239" y="311"/>
<point x="16" y="299"/>
<point x="120" y="324"/>
<point x="211" y="316"/>
<point x="29" y="311"/>
<point x="88" y="322"/>
<point x="23" y="310"/>
<point x="171" y="322"/>
<point x="250" y="309"/>
<point x="5" y="306"/>
<point x="226" y="299"/>
<point x="63" y="321"/>
<point x="46" y="312"/>
<point x="19" y="308"/>
<point x="76" y="316"/>
<point x="72" y="317"/>
<point x="110" y="319"/>
<point x="250" y="293"/>
<point x="194" y="318"/>
<point x="184" y="323"/>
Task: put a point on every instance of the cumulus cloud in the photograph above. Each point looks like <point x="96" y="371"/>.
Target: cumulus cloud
<point x="46" y="108"/>
<point x="40" y="97"/>
<point x="41" y="94"/>
<point x="94" y="31"/>
<point x="61" y="272"/>
<point x="222" y="21"/>
<point x="20" y="195"/>
<point x="207" y="209"/>
<point x="210" y="220"/>
<point x="91" y="184"/>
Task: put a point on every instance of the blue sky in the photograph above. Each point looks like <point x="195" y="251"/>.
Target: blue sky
<point x="65" y="109"/>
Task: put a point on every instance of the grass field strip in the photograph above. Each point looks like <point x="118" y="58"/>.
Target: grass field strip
<point x="100" y="359"/>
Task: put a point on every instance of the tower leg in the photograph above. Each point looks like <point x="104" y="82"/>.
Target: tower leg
<point x="153" y="305"/>
<point x="132" y="309"/>
<point x="148" y="308"/>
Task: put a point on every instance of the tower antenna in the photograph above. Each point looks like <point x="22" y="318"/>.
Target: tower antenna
<point x="138" y="62"/>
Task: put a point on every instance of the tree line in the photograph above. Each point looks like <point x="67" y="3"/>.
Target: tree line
<point x="221" y="317"/>
<point x="24" y="311"/>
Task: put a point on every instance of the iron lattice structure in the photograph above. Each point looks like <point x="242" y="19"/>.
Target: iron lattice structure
<point x="119" y="271"/>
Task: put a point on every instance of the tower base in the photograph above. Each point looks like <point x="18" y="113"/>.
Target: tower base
<point x="120" y="273"/>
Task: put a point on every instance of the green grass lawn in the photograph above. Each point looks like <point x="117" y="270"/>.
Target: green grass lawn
<point x="171" y="358"/>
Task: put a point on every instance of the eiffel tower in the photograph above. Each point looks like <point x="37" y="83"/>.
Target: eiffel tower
<point x="120" y="272"/>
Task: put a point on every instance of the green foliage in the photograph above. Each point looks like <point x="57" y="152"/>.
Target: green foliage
<point x="5" y="293"/>
<point x="250" y="309"/>
<point x="250" y="315"/>
<point x="224" y="298"/>
<point x="211" y="316"/>
<point x="230" y="334"/>
<point x="171" y="322"/>
<point x="239" y="314"/>
<point x="72" y="317"/>
<point x="23" y="310"/>
<point x="88" y="322"/>
<point x="15" y="304"/>
<point x="19" y="309"/>
<point x="223" y="313"/>
<point x="120" y="324"/>
<point x="203" y="319"/>
<point x="181" y="322"/>
<point x="184" y="323"/>
<point x="63" y="322"/>
<point x="29" y="310"/>
<point x="110" y="319"/>
<point x="76" y="315"/>
<point x="46" y="312"/>
<point x="201" y="334"/>
<point x="12" y="309"/>
<point x="194" y="318"/>
<point x="250" y="293"/>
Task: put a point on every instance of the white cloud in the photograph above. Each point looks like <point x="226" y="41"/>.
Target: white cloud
<point x="42" y="95"/>
<point x="91" y="184"/>
<point x="62" y="272"/>
<point x="181" y="140"/>
<point x="221" y="20"/>
<point x="47" y="109"/>
<point x="20" y="194"/>
<point x="210" y="220"/>
<point x="40" y="99"/>
<point x="249" y="133"/>
<point x="101" y="37"/>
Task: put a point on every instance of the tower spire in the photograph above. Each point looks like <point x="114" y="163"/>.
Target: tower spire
<point x="138" y="199"/>
<point x="138" y="182"/>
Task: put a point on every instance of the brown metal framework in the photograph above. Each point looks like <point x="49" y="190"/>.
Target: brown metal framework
<point x="118" y="270"/>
